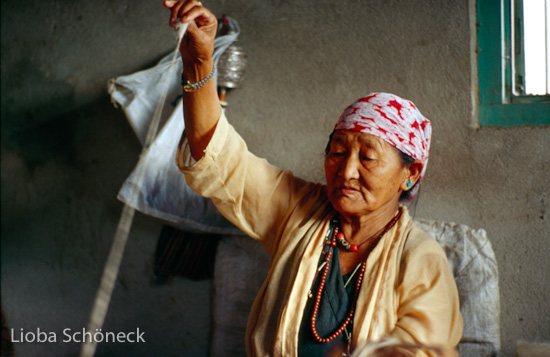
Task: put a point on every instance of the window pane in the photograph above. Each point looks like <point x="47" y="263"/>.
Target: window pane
<point x="535" y="20"/>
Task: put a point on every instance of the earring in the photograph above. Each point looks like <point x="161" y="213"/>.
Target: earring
<point x="409" y="184"/>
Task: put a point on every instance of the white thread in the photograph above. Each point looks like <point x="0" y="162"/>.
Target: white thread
<point x="180" y="28"/>
<point x="112" y="266"/>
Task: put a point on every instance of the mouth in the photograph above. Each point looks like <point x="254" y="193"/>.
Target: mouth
<point x="347" y="190"/>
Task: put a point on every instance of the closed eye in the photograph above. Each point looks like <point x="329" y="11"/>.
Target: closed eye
<point x="337" y="152"/>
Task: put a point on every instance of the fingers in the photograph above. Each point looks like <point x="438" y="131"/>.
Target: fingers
<point x="188" y="11"/>
<point x="174" y="6"/>
<point x="169" y="4"/>
<point x="198" y="43"/>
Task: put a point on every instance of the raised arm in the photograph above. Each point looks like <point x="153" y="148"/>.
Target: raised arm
<point x="201" y="108"/>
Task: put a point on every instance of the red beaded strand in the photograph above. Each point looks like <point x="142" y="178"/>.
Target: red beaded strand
<point x="352" y="247"/>
<point x="355" y="247"/>
<point x="336" y="333"/>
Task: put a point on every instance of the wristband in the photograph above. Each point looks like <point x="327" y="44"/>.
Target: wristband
<point x="190" y="87"/>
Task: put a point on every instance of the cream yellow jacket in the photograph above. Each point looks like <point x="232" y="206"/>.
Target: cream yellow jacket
<point x="408" y="291"/>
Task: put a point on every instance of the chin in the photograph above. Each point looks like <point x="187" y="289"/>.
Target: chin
<point x="344" y="208"/>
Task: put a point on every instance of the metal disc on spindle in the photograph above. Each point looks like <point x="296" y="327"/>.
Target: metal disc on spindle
<point x="231" y="68"/>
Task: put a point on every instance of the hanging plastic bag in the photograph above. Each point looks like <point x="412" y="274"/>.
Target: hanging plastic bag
<point x="163" y="193"/>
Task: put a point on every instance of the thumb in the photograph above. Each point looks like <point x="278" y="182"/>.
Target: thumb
<point x="169" y="4"/>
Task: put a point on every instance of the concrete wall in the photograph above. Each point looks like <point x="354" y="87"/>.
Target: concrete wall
<point x="66" y="150"/>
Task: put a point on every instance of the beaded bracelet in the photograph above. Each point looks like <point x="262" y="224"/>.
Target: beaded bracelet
<point x="190" y="87"/>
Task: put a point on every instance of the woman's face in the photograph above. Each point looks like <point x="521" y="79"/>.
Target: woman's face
<point x="364" y="174"/>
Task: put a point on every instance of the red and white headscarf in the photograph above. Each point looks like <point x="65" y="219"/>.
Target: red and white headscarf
<point x="392" y="119"/>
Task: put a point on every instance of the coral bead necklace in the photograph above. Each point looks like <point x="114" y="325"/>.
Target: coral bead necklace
<point x="336" y="333"/>
<point x="355" y="247"/>
<point x="332" y="243"/>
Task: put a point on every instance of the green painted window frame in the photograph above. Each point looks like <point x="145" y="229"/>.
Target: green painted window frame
<point x="497" y="106"/>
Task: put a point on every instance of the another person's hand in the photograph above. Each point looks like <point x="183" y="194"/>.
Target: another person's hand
<point x="197" y="45"/>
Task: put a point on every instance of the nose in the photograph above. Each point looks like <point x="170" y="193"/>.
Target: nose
<point x="350" y="168"/>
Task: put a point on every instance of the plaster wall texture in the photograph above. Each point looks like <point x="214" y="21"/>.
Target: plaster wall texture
<point x="66" y="150"/>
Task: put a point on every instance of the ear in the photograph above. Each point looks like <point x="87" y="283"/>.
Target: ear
<point x="413" y="176"/>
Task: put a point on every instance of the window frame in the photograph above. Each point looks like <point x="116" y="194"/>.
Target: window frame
<point x="497" y="106"/>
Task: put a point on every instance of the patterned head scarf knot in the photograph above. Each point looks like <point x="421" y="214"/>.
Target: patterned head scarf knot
<point x="394" y="120"/>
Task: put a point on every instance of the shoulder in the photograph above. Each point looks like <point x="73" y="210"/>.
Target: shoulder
<point x="423" y="266"/>
<point x="422" y="253"/>
<point x="419" y="242"/>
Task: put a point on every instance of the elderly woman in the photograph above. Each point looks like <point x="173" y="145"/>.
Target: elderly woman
<point x="348" y="265"/>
